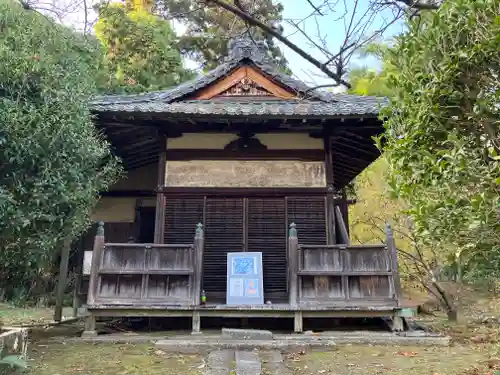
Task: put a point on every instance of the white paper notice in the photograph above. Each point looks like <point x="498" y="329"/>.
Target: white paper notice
<point x="236" y="287"/>
<point x="87" y="262"/>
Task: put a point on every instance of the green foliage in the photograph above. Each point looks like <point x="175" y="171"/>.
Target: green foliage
<point x="443" y="129"/>
<point x="210" y="28"/>
<point x="52" y="160"/>
<point x="141" y="50"/>
<point x="368" y="81"/>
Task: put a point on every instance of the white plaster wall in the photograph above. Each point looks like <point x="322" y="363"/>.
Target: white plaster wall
<point x="245" y="173"/>
<point x="273" y="141"/>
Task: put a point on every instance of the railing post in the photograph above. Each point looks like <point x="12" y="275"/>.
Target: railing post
<point x="198" y="263"/>
<point x="97" y="252"/>
<point x="293" y="261"/>
<point x="391" y="247"/>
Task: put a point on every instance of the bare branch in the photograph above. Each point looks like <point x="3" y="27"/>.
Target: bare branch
<point x="255" y="22"/>
<point x="316" y="9"/>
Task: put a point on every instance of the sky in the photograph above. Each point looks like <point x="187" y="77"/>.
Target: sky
<point x="331" y="28"/>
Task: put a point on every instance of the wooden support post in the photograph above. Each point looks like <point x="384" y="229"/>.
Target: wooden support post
<point x="330" y="198"/>
<point x="63" y="277"/>
<point x="397" y="322"/>
<point x="298" y="322"/>
<point x="198" y="263"/>
<point x="293" y="261"/>
<point x="196" y="323"/>
<point x="97" y="252"/>
<point x="90" y="326"/>
<point x="391" y="248"/>
<point x="160" y="197"/>
<point x="78" y="277"/>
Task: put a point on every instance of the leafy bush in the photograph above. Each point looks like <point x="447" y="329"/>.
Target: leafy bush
<point x="443" y="139"/>
<point x="52" y="160"/>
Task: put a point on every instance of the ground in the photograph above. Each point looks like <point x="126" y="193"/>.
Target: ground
<point x="95" y="359"/>
<point x="475" y="350"/>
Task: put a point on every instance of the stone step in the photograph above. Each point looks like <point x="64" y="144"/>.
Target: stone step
<point x="219" y="362"/>
<point x="247" y="362"/>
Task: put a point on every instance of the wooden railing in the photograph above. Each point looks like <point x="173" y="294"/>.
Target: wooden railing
<point x="130" y="273"/>
<point x="360" y="275"/>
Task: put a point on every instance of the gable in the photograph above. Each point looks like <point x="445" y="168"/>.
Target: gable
<point x="242" y="82"/>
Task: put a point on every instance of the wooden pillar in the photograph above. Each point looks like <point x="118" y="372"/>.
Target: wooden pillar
<point x="97" y="253"/>
<point x="293" y="264"/>
<point x="160" y="197"/>
<point x="63" y="277"/>
<point x="198" y="263"/>
<point x="393" y="256"/>
<point x="78" y="276"/>
<point x="196" y="330"/>
<point x="298" y="322"/>
<point x="330" y="197"/>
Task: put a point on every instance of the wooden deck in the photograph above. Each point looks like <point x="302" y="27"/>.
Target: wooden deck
<point x="165" y="280"/>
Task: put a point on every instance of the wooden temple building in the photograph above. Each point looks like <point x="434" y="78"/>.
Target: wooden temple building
<point x="241" y="159"/>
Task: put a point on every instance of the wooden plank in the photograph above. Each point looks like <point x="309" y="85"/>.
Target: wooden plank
<point x="146" y="272"/>
<point x="343" y="273"/>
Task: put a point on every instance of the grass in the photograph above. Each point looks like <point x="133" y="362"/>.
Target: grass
<point x="418" y="360"/>
<point x="116" y="359"/>
<point x="475" y="349"/>
<point x="15" y="316"/>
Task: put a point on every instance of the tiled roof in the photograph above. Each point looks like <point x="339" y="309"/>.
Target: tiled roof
<point x="343" y="106"/>
<point x="241" y="52"/>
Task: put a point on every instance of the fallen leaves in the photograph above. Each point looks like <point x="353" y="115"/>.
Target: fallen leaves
<point x="407" y="354"/>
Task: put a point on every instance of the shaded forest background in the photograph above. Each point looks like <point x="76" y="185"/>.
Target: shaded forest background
<point x="437" y="182"/>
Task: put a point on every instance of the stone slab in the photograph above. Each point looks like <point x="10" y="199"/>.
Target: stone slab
<point x="246" y="334"/>
<point x="285" y="342"/>
<point x="247" y="363"/>
<point x="219" y="362"/>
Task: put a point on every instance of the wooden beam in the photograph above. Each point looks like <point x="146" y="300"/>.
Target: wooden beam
<point x="128" y="193"/>
<point x="206" y="154"/>
<point x="63" y="277"/>
<point x="262" y="192"/>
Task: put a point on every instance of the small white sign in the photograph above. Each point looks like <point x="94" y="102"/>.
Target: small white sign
<point x="87" y="262"/>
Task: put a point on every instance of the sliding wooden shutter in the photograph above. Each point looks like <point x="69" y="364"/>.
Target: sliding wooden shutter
<point x="267" y="234"/>
<point x="224" y="233"/>
<point x="308" y="213"/>
<point x="181" y="217"/>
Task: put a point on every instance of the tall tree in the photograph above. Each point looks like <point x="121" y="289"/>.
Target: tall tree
<point x="443" y="133"/>
<point x="141" y="49"/>
<point x="53" y="162"/>
<point x="210" y="28"/>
